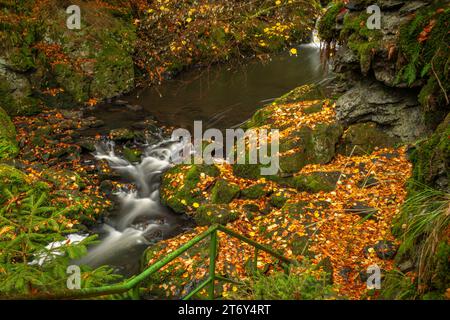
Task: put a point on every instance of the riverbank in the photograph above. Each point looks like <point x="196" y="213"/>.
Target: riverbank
<point x="363" y="178"/>
<point x="122" y="44"/>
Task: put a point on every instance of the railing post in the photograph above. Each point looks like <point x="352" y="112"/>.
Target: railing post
<point x="212" y="264"/>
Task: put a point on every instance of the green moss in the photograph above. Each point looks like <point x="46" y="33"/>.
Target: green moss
<point x="316" y="145"/>
<point x="114" y="70"/>
<point x="8" y="143"/>
<point x="214" y="213"/>
<point x="254" y="192"/>
<point x="316" y="181"/>
<point x="360" y="39"/>
<point x="363" y="138"/>
<point x="431" y="157"/>
<point x="365" y="51"/>
<point x="300" y="246"/>
<point x="179" y="196"/>
<point x="441" y="280"/>
<point x="22" y="59"/>
<point x="302" y="93"/>
<point x="224" y="192"/>
<point x="314" y="108"/>
<point x="247" y="171"/>
<point x="15" y="103"/>
<point x="132" y="155"/>
<point x="327" y="24"/>
<point x="294" y="209"/>
<point x="278" y="200"/>
<point x="258" y="119"/>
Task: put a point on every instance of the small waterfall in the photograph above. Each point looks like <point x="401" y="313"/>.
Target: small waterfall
<point x="141" y="219"/>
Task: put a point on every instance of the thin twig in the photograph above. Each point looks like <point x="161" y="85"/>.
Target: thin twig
<point x="437" y="78"/>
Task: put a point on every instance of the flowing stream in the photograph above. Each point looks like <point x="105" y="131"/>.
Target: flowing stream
<point x="141" y="220"/>
<point x="222" y="98"/>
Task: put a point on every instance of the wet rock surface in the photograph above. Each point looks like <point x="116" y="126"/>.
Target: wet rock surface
<point x="397" y="112"/>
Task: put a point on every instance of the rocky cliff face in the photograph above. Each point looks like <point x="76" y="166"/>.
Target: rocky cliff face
<point x="395" y="76"/>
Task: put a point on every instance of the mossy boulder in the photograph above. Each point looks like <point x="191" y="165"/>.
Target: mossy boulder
<point x="8" y="143"/>
<point x="247" y="171"/>
<point x="224" y="192"/>
<point x="294" y="208"/>
<point x="209" y="214"/>
<point x="278" y="199"/>
<point x="313" y="146"/>
<point x="251" y="210"/>
<point x="13" y="180"/>
<point x="316" y="181"/>
<point x="302" y="93"/>
<point x="254" y="192"/>
<point x="132" y="155"/>
<point x="431" y="158"/>
<point x="315" y="108"/>
<point x="179" y="185"/>
<point x="259" y="118"/>
<point x="16" y="92"/>
<point x="364" y="138"/>
<point x="121" y="134"/>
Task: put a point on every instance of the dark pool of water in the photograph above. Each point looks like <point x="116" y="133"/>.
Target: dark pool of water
<point x="222" y="96"/>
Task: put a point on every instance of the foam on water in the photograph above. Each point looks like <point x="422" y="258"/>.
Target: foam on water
<point x="141" y="217"/>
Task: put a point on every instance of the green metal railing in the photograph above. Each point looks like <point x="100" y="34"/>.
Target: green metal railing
<point x="132" y="284"/>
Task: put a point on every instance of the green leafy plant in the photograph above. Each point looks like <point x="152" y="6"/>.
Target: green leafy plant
<point x="28" y="264"/>
<point x="423" y="42"/>
<point x="310" y="284"/>
<point x="423" y="227"/>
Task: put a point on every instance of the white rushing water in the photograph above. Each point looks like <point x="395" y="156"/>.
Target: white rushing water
<point x="141" y="217"/>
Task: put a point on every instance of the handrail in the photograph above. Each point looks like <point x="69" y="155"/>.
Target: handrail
<point x="133" y="282"/>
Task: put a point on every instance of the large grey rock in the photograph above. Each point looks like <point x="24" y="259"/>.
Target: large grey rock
<point x="345" y="60"/>
<point x="395" y="110"/>
<point x="15" y="91"/>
